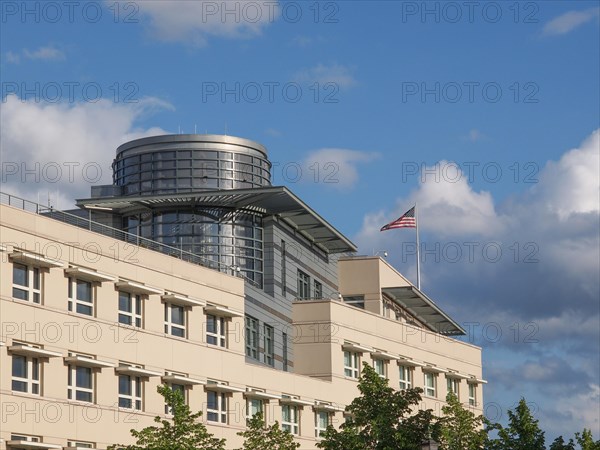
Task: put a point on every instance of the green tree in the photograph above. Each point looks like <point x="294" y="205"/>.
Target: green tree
<point x="260" y="437"/>
<point x="586" y="440"/>
<point x="523" y="432"/>
<point x="182" y="432"/>
<point x="559" y="444"/>
<point x="381" y="419"/>
<point x="460" y="429"/>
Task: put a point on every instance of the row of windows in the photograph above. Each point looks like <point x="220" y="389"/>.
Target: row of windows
<point x="406" y="376"/>
<point x="304" y="288"/>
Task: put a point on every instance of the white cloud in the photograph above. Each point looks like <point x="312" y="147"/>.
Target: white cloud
<point x="336" y="167"/>
<point x="323" y="73"/>
<point x="65" y="147"/>
<point x="474" y="135"/>
<point x="569" y="21"/>
<point x="48" y="53"/>
<point x="193" y="22"/>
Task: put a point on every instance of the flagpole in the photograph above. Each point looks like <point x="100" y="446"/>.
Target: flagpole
<point x="418" y="249"/>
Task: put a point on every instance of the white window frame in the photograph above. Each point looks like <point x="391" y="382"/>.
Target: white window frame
<point x="255" y="401"/>
<point x="452" y="385"/>
<point x="318" y="428"/>
<point x="136" y="395"/>
<point x="33" y="293"/>
<point x="269" y="344"/>
<point x="184" y="391"/>
<point x="81" y="444"/>
<point x="135" y="315"/>
<point x="430" y="391"/>
<point x="252" y="333"/>
<point x="219" y="335"/>
<point x="74" y="302"/>
<point x="32" y="365"/>
<point x="406" y="381"/>
<point x="220" y="411"/>
<point x="352" y="370"/>
<point x="383" y="363"/>
<point x="25" y="437"/>
<point x="170" y="326"/>
<point x="73" y="389"/>
<point x="293" y="424"/>
<point x="472" y="394"/>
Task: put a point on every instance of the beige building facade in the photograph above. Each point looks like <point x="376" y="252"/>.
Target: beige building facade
<point x="91" y="325"/>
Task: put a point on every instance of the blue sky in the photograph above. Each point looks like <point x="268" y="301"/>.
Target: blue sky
<point x="500" y="104"/>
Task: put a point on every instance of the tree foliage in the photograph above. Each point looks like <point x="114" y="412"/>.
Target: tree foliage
<point x="259" y="437"/>
<point x="183" y="432"/>
<point x="460" y="429"/>
<point x="560" y="444"/>
<point x="523" y="432"/>
<point x="586" y="441"/>
<point x="381" y="418"/>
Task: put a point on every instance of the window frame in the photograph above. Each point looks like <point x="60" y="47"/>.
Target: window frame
<point x="33" y="277"/>
<point x="430" y="391"/>
<point x="136" y="314"/>
<point x="383" y="363"/>
<point x="136" y="395"/>
<point x="269" y="345"/>
<point x="452" y="385"/>
<point x="472" y="394"/>
<point x="318" y="428"/>
<point x="220" y="411"/>
<point x="303" y="285"/>
<point x="75" y="302"/>
<point x="170" y="325"/>
<point x="292" y="425"/>
<point x="251" y="401"/>
<point x="407" y="381"/>
<point x="252" y="336"/>
<point x="182" y="388"/>
<point x="352" y="370"/>
<point x="318" y="289"/>
<point x="73" y="389"/>
<point x="33" y="367"/>
<point x="219" y="335"/>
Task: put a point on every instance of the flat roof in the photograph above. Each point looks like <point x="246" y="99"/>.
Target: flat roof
<point x="273" y="200"/>
<point x="424" y="309"/>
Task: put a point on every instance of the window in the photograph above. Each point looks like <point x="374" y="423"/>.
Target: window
<point x="25" y="374"/>
<point x="81" y="444"/>
<point x="380" y="367"/>
<point x="289" y="419"/>
<point x="26" y="283"/>
<point x="452" y="384"/>
<point x="81" y="383"/>
<point x="254" y="406"/>
<point x="472" y="394"/>
<point x="283" y="269"/>
<point x="269" y="335"/>
<point x="130" y="392"/>
<point x="285" y="351"/>
<point x="321" y="422"/>
<point x="355" y="300"/>
<point x="430" y="380"/>
<point x="318" y="289"/>
<point x="81" y="297"/>
<point x="130" y="309"/>
<point x="405" y="377"/>
<point x="251" y="337"/>
<point x="216" y="330"/>
<point x="303" y="285"/>
<point x="175" y="320"/>
<point x="26" y="438"/>
<point x="176" y="388"/>
<point x="351" y="364"/>
<point x="216" y="408"/>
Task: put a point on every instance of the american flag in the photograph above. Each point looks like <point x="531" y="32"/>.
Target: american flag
<point x="407" y="220"/>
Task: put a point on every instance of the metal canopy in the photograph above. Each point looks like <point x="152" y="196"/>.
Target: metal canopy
<point x="424" y="309"/>
<point x="275" y="200"/>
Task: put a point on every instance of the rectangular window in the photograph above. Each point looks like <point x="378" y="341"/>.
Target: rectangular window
<point x="289" y="419"/>
<point x="303" y="285"/>
<point x="472" y="394"/>
<point x="130" y="309"/>
<point x="251" y="337"/>
<point x="175" y="320"/>
<point x="321" y="422"/>
<point x="355" y="300"/>
<point x="26" y="374"/>
<point x="452" y="384"/>
<point x="269" y="335"/>
<point x="253" y="406"/>
<point x="80" y="383"/>
<point x="216" y="330"/>
<point x="429" y="381"/>
<point x="216" y="407"/>
<point x="81" y="296"/>
<point x="80" y="444"/>
<point x="130" y="392"/>
<point x="283" y="268"/>
<point x="405" y="377"/>
<point x="285" y="351"/>
<point x="23" y="437"/>
<point x="176" y="388"/>
<point x="380" y="366"/>
<point x="318" y="289"/>
<point x="26" y="283"/>
<point x="351" y="364"/>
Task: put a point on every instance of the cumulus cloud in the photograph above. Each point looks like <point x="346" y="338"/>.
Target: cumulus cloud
<point x="569" y="21"/>
<point x="48" y="53"/>
<point x="194" y="22"/>
<point x="338" y="74"/>
<point x="62" y="149"/>
<point x="336" y="167"/>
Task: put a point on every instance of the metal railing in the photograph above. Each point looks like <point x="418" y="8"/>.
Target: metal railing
<point x="115" y="233"/>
